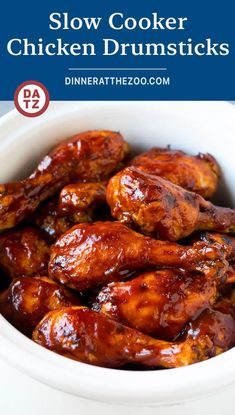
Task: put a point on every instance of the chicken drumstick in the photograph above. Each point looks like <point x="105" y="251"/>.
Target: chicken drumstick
<point x="160" y="208"/>
<point x="79" y="200"/>
<point x="227" y="242"/>
<point x="92" y="155"/>
<point x="160" y="303"/>
<point x="92" y="255"/>
<point x="27" y="300"/>
<point x="198" y="174"/>
<point x="24" y="252"/>
<point x="91" y="337"/>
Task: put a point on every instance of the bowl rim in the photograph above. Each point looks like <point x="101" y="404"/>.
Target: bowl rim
<point x="108" y="385"/>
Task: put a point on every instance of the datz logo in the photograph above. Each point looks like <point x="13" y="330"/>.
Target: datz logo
<point x="31" y="98"/>
<point x="117" y="21"/>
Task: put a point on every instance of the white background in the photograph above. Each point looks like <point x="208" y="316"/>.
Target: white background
<point x="6" y="106"/>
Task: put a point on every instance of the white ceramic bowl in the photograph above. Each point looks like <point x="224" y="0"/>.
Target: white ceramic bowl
<point x="190" y="126"/>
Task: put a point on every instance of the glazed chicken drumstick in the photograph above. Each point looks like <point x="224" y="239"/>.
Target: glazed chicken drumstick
<point x="90" y="337"/>
<point x="79" y="200"/>
<point x="92" y="255"/>
<point x="160" y="303"/>
<point x="160" y="208"/>
<point x="23" y="252"/>
<point x="92" y="155"/>
<point x="227" y="242"/>
<point x="198" y="174"/>
<point x="28" y="299"/>
<point x="49" y="221"/>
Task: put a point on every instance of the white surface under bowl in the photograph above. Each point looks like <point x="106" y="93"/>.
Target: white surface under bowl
<point x="190" y="126"/>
